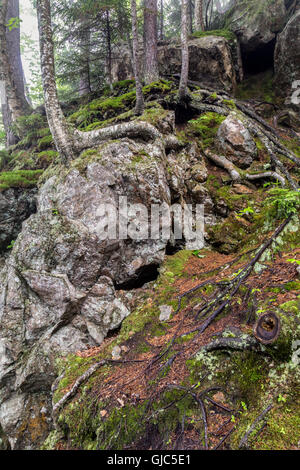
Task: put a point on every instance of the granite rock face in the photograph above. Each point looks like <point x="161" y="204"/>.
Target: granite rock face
<point x="16" y="205"/>
<point x="58" y="286"/>
<point x="255" y="22"/>
<point x="287" y="65"/>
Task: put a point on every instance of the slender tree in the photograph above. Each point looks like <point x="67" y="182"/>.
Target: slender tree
<point x="85" y="45"/>
<point x="139" y="107"/>
<point x="184" y="51"/>
<point x="161" y="21"/>
<point x="150" y="41"/>
<point x="14" y="103"/>
<point x="56" y="120"/>
<point x="199" y="21"/>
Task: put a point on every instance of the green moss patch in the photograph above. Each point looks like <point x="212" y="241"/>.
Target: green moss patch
<point x="206" y="127"/>
<point x="224" y="33"/>
<point x="19" y="179"/>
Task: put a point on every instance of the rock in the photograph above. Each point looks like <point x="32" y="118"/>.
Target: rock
<point x="116" y="353"/>
<point x="16" y="205"/>
<point x="286" y="65"/>
<point x="58" y="286"/>
<point x="236" y="143"/>
<point x="199" y="172"/>
<point x="255" y="22"/>
<point x="165" y="312"/>
<point x="211" y="62"/>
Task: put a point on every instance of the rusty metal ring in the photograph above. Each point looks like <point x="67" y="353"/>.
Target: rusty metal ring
<point x="267" y="328"/>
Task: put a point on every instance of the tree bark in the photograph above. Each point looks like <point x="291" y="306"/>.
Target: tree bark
<point x="184" y="51"/>
<point x="162" y="26"/>
<point x="57" y="123"/>
<point x="199" y="21"/>
<point x="139" y="107"/>
<point x="13" y="101"/>
<point x="150" y="38"/>
<point x="84" y="81"/>
<point x="109" y="59"/>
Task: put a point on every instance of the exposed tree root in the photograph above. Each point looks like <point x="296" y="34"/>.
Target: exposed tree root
<point x="224" y="163"/>
<point x="266" y="174"/>
<point x="234" y="344"/>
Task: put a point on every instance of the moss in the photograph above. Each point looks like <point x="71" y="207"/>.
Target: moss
<point x="230" y="103"/>
<point x="259" y="86"/>
<point x="227" y="236"/>
<point x="206" y="127"/>
<point x="19" y="179"/>
<point x="225" y="33"/>
<point x="281" y="433"/>
<point x="45" y="142"/>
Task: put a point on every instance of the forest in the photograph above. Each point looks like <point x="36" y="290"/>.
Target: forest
<point x="150" y="225"/>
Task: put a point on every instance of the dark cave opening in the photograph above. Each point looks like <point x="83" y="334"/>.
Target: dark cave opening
<point x="259" y="60"/>
<point x="143" y="275"/>
<point x="183" y="113"/>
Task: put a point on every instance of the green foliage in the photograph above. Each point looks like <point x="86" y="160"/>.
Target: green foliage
<point x="13" y="23"/>
<point x="225" y="33"/>
<point x="45" y="142"/>
<point x="281" y="203"/>
<point x="206" y="127"/>
<point x="19" y="179"/>
<point x="257" y="86"/>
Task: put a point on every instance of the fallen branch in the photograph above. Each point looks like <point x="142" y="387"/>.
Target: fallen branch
<point x="244" y="440"/>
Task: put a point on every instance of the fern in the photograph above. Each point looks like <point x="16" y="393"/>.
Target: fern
<point x="281" y="203"/>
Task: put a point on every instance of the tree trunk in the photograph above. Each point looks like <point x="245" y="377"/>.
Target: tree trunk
<point x="199" y="22"/>
<point x="108" y="37"/>
<point x="161" y="32"/>
<point x="190" y="17"/>
<point x="84" y="81"/>
<point x="139" y="107"/>
<point x="150" y="36"/>
<point x="184" y="51"/>
<point x="13" y="101"/>
<point x="56" y="120"/>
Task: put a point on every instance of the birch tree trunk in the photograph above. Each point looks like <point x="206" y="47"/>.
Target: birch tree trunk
<point x="150" y="39"/>
<point x="57" y="123"/>
<point x="184" y="51"/>
<point x="199" y="21"/>
<point x="139" y="107"/>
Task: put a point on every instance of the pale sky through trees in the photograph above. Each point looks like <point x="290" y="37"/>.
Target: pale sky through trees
<point x="29" y="27"/>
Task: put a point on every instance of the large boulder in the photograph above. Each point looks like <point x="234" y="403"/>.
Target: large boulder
<point x="235" y="142"/>
<point x="16" y="205"/>
<point x="59" y="286"/>
<point x="211" y="61"/>
<point x="287" y="63"/>
<point x="255" y="22"/>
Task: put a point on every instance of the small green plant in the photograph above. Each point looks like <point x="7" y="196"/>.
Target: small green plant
<point x="296" y="261"/>
<point x="281" y="203"/>
<point x="11" y="245"/>
<point x="281" y="398"/>
<point x="244" y="406"/>
<point x="197" y="254"/>
<point x="247" y="211"/>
